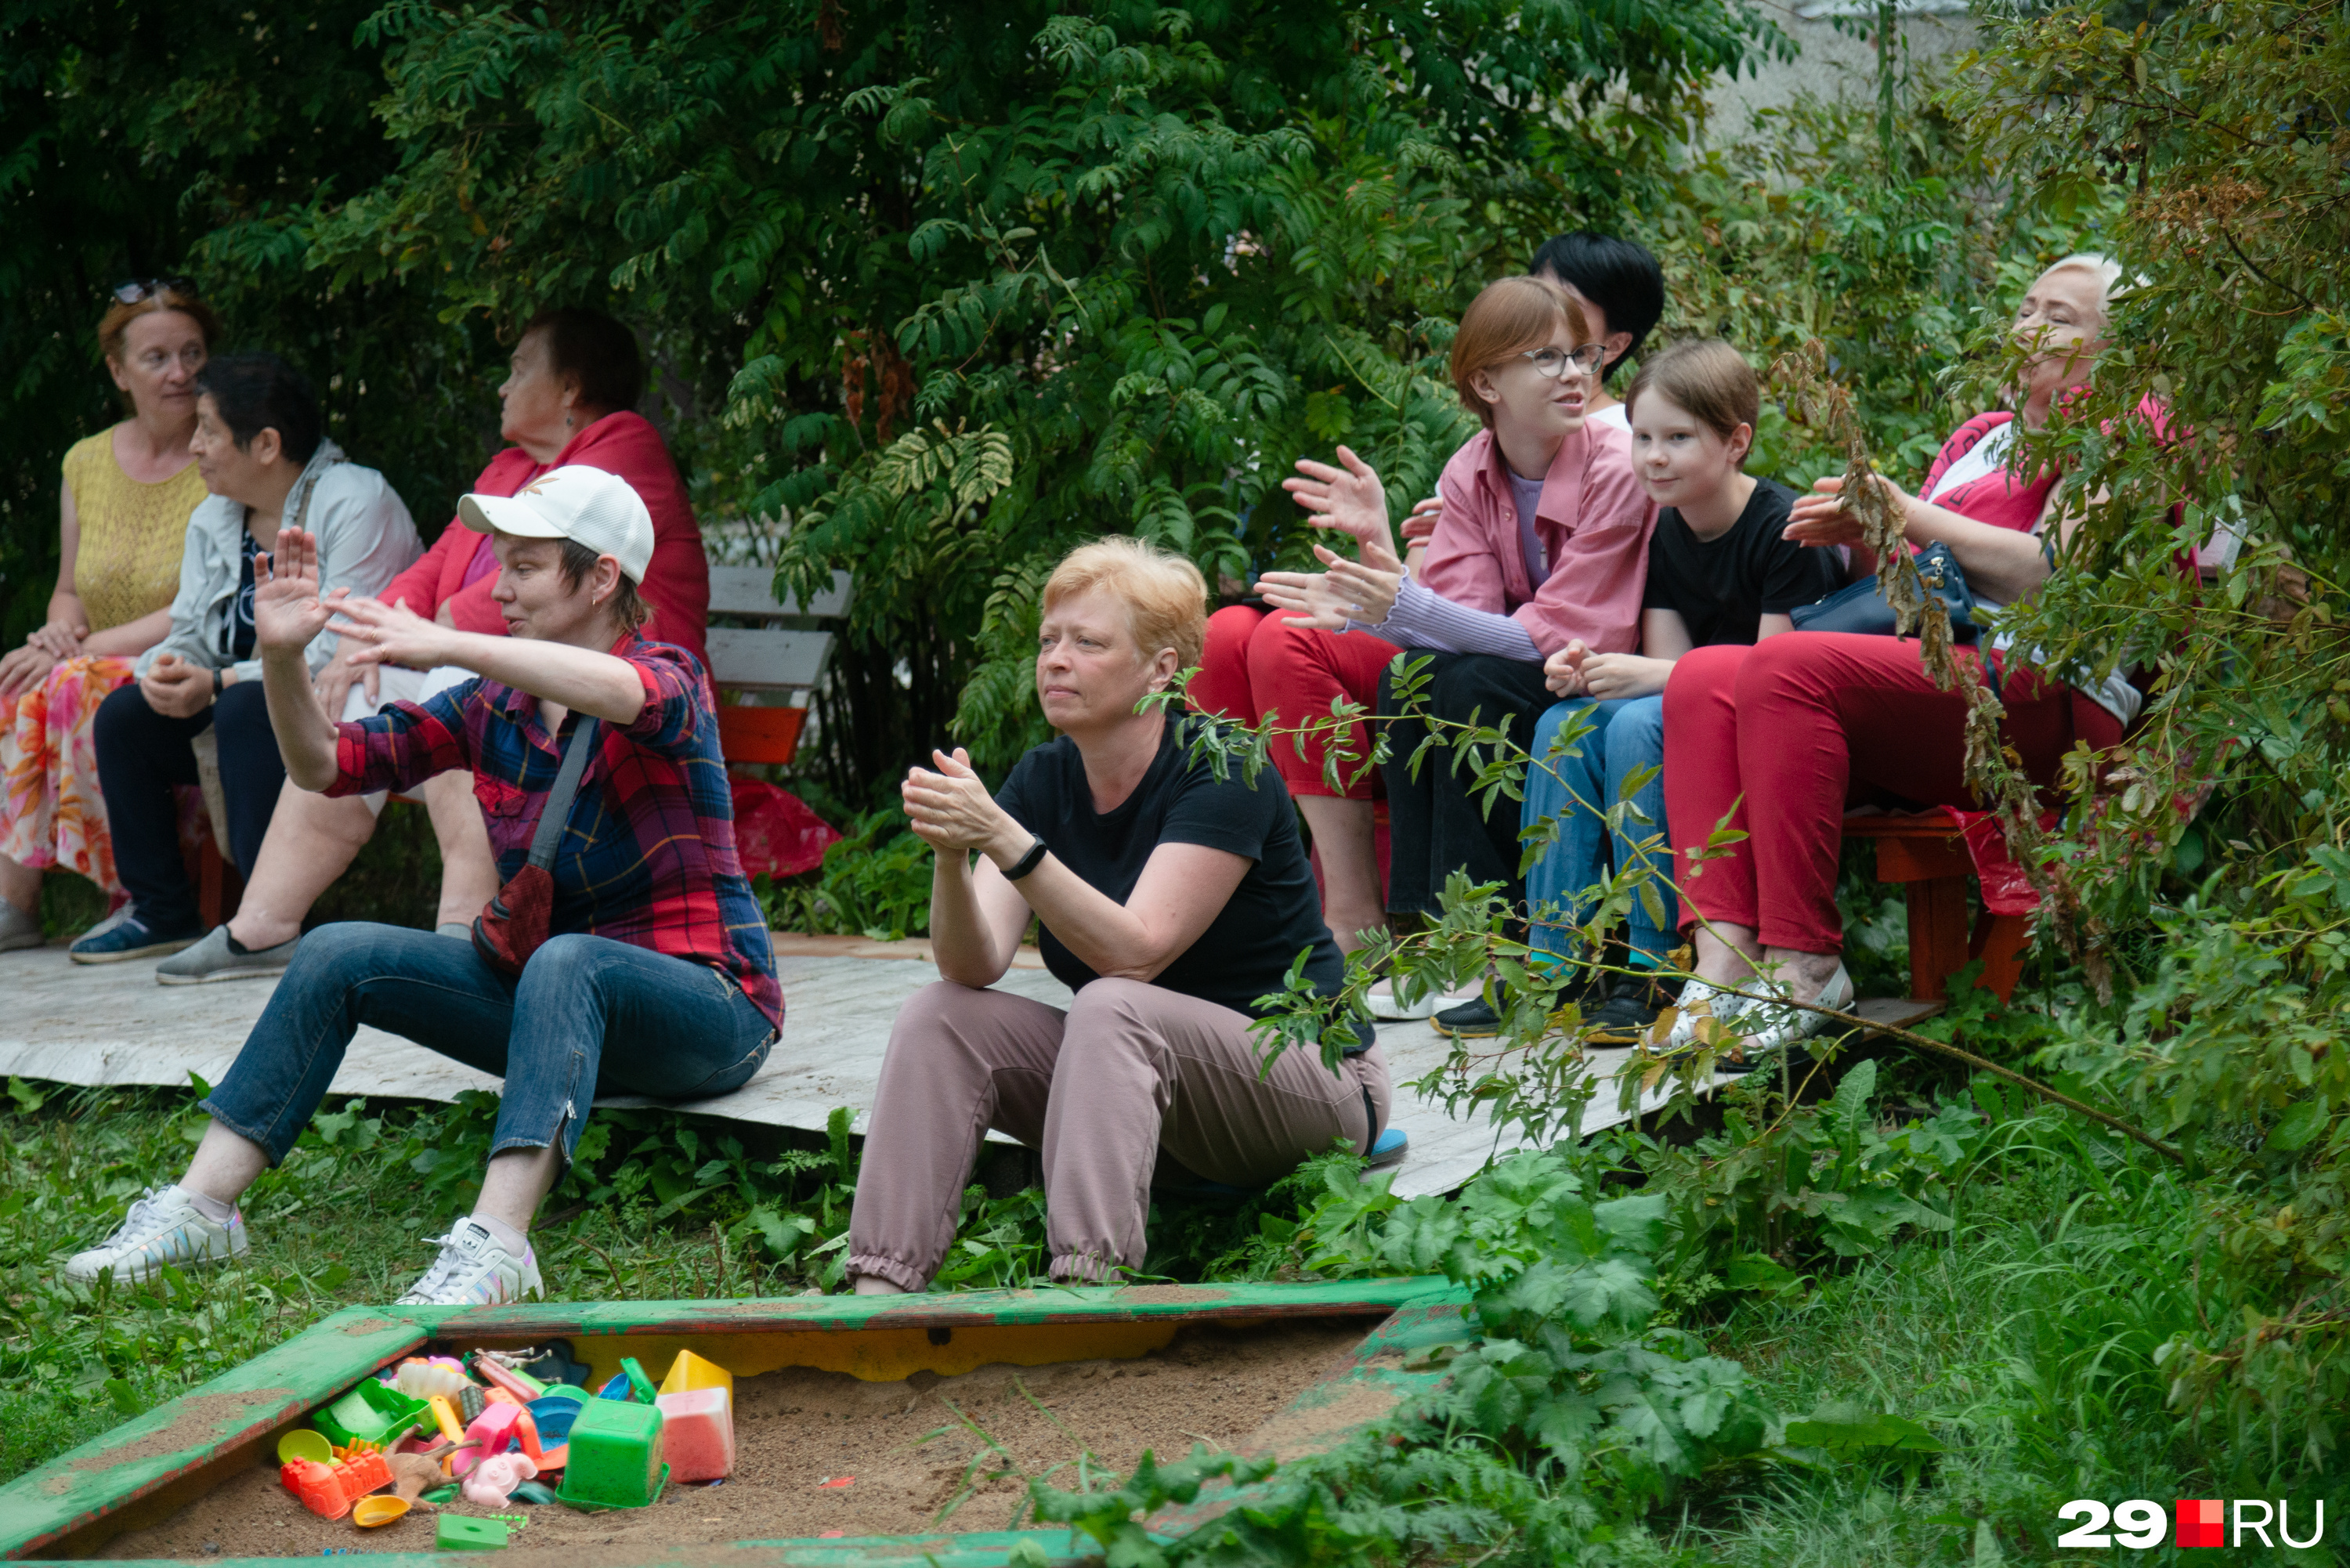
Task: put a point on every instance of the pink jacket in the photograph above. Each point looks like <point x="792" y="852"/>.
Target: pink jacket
<point x="1594" y="521"/>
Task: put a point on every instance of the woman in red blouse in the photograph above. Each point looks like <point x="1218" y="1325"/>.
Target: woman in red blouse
<point x="1775" y="740"/>
<point x="568" y="401"/>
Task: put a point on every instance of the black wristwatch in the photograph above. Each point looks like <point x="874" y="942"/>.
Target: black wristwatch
<point x="1026" y="863"/>
<point x="218" y="684"/>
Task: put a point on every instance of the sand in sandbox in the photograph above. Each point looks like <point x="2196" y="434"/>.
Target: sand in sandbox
<point x="799" y="1428"/>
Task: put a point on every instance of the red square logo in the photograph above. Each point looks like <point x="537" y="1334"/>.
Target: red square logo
<point x="2198" y="1521"/>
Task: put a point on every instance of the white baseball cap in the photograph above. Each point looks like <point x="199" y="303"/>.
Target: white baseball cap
<point x="586" y="505"/>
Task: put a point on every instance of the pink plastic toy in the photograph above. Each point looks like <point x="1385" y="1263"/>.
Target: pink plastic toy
<point x="494" y="1431"/>
<point x="698" y="1433"/>
<point x="492" y="1481"/>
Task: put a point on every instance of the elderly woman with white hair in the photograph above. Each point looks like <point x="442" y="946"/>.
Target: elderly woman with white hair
<point x="1170" y="900"/>
<point x="1777" y="739"/>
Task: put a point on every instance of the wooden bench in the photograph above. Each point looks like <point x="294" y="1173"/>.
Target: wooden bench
<point x="1925" y="854"/>
<point x="786" y="653"/>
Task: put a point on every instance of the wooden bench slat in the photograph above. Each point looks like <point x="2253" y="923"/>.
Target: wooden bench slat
<point x="759" y="660"/>
<point x="751" y="591"/>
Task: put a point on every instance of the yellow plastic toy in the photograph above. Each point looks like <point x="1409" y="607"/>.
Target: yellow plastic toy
<point x="692" y="1371"/>
<point x="303" y="1443"/>
<point x="444" y="1415"/>
<point x="371" y="1511"/>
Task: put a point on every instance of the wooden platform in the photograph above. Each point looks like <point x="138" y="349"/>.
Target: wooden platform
<point x="97" y="1024"/>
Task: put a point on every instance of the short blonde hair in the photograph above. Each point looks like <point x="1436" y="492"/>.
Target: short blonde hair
<point x="2103" y="268"/>
<point x="1165" y="595"/>
<point x="1512" y="315"/>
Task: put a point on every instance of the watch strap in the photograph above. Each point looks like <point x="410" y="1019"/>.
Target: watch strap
<point x="1026" y="863"/>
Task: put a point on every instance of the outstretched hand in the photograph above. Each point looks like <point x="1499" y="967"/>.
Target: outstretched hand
<point x="1349" y="499"/>
<point x="376" y="633"/>
<point x="286" y="610"/>
<point x="949" y="807"/>
<point x="1361" y="591"/>
<point x="1824" y="518"/>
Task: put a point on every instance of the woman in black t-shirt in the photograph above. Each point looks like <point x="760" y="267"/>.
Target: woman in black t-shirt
<point x="1171" y="902"/>
<point x="1719" y="571"/>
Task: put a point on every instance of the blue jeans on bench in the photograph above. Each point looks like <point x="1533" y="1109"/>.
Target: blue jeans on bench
<point x="1625" y="736"/>
<point x="586" y="1016"/>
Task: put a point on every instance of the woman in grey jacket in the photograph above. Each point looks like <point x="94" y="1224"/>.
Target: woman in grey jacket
<point x="261" y="446"/>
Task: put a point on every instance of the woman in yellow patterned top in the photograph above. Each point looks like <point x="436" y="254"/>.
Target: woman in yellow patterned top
<point x="122" y="517"/>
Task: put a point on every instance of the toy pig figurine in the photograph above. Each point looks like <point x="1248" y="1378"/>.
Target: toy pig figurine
<point x="491" y="1482"/>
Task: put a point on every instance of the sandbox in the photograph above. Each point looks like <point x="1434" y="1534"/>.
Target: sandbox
<point x="857" y="1422"/>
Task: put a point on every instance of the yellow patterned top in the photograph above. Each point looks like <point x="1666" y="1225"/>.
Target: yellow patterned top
<point x="132" y="534"/>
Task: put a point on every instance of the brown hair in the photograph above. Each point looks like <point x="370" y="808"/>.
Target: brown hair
<point x="1709" y="379"/>
<point x="115" y="322"/>
<point x="1510" y="316"/>
<point x="1165" y="597"/>
<point x="575" y="560"/>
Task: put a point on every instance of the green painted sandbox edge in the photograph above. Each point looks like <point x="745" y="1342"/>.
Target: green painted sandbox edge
<point x="242" y="1406"/>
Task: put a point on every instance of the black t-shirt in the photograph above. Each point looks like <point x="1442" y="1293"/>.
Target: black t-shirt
<point x="1723" y="587"/>
<point x="1274" y="913"/>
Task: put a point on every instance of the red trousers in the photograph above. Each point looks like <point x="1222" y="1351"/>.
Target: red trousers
<point x="1801" y="724"/>
<point x="1256" y="664"/>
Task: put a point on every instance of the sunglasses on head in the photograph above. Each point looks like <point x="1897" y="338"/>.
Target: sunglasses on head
<point x="131" y="291"/>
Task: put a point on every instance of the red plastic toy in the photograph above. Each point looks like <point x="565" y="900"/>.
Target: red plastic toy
<point x="329" y="1490"/>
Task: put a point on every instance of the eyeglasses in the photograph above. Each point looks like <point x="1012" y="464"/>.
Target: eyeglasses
<point x="1550" y="364"/>
<point x="131" y="291"/>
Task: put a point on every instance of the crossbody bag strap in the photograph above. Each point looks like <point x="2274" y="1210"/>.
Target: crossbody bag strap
<point x="557" y="812"/>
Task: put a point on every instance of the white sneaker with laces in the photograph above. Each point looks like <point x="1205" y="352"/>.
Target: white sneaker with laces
<point x="163" y="1227"/>
<point x="474" y="1270"/>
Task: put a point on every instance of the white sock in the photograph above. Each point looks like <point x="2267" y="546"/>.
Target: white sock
<point x="504" y="1234"/>
<point x="212" y="1208"/>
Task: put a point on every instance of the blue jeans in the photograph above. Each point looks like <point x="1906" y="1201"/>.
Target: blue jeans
<point x="1625" y="736"/>
<point x="586" y="1016"/>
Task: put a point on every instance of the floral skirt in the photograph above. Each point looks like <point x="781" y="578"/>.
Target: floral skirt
<point x="53" y="813"/>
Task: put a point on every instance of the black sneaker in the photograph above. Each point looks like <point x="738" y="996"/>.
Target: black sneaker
<point x="1473" y="1020"/>
<point x="1628" y="1014"/>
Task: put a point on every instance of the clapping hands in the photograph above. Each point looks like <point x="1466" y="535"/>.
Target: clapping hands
<point x="1351" y="500"/>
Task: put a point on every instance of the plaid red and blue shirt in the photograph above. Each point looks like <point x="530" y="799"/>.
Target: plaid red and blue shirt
<point x="647" y="856"/>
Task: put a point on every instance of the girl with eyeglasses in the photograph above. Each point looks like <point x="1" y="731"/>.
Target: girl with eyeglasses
<point x="1544" y="541"/>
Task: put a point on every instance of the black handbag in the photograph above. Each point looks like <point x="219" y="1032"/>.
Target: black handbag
<point x="1861" y="608"/>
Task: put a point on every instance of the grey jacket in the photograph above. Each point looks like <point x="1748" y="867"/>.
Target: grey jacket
<point x="365" y="539"/>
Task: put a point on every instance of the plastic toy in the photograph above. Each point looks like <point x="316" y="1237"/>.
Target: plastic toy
<point x="692" y="1371"/>
<point x="521" y="1384"/>
<point x="553" y="1366"/>
<point x="329" y="1490"/>
<point x="491" y="1482"/>
<point x="618" y="1388"/>
<point x="552" y="1417"/>
<point x="698" y="1433"/>
<point x="303" y="1443"/>
<point x="457" y="1533"/>
<point x="374" y="1411"/>
<point x="532" y="1491"/>
<point x="412" y="1475"/>
<point x="641" y="1386"/>
<point x="571" y="1392"/>
<point x="470" y="1399"/>
<point x="494" y="1431"/>
<point x="445" y="1417"/>
<point x="421" y="1378"/>
<point x="615" y="1458"/>
<point x="374" y="1512"/>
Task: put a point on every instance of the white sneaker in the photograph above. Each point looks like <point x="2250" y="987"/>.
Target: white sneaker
<point x="163" y="1227"/>
<point x="474" y="1270"/>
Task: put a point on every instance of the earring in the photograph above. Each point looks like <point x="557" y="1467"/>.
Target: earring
<point x="566" y="421"/>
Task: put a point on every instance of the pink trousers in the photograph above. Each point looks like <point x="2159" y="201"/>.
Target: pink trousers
<point x="1780" y="737"/>
<point x="1130" y="1070"/>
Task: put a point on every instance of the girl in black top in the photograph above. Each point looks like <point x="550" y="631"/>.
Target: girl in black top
<point x="1719" y="571"/>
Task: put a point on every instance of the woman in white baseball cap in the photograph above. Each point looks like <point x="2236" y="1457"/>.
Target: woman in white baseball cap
<point x="626" y="953"/>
